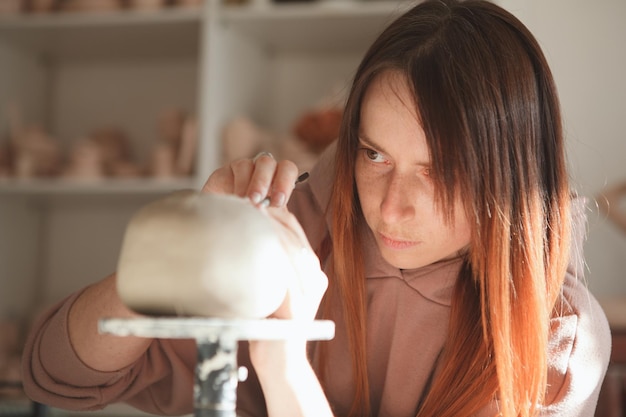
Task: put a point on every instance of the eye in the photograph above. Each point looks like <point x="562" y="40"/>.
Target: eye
<point x="373" y="155"/>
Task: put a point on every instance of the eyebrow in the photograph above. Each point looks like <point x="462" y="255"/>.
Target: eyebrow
<point x="369" y="142"/>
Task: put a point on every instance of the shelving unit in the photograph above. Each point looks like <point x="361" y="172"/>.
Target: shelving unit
<point x="54" y="187"/>
<point x="74" y="72"/>
<point x="314" y="28"/>
<point x="271" y="63"/>
<point x="71" y="72"/>
<point x="167" y="33"/>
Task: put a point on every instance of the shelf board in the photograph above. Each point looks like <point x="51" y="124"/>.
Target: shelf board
<point x="113" y="410"/>
<point x="329" y="25"/>
<point x="170" y="32"/>
<point x="59" y="187"/>
<point x="324" y="26"/>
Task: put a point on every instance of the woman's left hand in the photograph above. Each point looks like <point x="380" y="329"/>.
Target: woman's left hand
<point x="274" y="360"/>
<point x="307" y="287"/>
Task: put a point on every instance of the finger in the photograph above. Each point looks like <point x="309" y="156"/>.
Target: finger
<point x="306" y="288"/>
<point x="298" y="247"/>
<point x="242" y="170"/>
<point x="283" y="183"/>
<point x="308" y="285"/>
<point x="230" y="179"/>
<point x="221" y="181"/>
<point x="264" y="170"/>
<point x="285" y="310"/>
<point x="262" y="153"/>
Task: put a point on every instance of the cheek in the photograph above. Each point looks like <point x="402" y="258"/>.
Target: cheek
<point x="463" y="237"/>
<point x="359" y="178"/>
<point x="362" y="193"/>
<point x="463" y="230"/>
<point x="366" y="187"/>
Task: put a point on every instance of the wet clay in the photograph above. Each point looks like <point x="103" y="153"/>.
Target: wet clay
<point x="198" y="254"/>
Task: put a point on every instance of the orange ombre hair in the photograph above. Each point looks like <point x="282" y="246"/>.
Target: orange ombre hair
<point x="489" y="107"/>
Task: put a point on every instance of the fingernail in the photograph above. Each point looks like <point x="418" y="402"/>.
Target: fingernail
<point x="256" y="198"/>
<point x="279" y="199"/>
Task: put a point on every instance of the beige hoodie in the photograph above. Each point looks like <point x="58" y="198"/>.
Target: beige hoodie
<point x="407" y="320"/>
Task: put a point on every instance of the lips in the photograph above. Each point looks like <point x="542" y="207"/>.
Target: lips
<point x="397" y="244"/>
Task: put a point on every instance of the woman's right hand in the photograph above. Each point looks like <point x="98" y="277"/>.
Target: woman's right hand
<point x="261" y="177"/>
<point x="289" y="384"/>
<point x="255" y="178"/>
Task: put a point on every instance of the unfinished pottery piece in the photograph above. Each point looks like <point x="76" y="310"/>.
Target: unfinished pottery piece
<point x="208" y="255"/>
<point x="86" y="161"/>
<point x="187" y="149"/>
<point x="162" y="162"/>
<point x="189" y="3"/>
<point x="91" y="5"/>
<point x="11" y="7"/>
<point x="146" y="4"/>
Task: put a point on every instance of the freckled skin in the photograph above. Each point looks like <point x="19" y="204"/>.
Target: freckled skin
<point x="392" y="177"/>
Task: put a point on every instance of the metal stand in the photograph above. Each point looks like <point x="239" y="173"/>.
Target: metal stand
<point x="217" y="374"/>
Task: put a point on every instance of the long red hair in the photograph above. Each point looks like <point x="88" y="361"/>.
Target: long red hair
<point x="489" y="107"/>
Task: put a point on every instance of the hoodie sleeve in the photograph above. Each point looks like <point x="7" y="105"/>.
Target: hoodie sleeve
<point x="160" y="382"/>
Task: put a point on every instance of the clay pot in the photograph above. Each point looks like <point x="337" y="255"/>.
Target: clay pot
<point x="11" y="7"/>
<point x="91" y="5"/>
<point x="189" y="3"/>
<point x="146" y="4"/>
<point x="86" y="161"/>
<point x="42" y="6"/>
<point x="187" y="148"/>
<point x="163" y="161"/>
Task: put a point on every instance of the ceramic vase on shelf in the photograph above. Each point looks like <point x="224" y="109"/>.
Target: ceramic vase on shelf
<point x="91" y="5"/>
<point x="11" y="7"/>
<point x="146" y="4"/>
<point x="188" y="3"/>
<point x="42" y="6"/>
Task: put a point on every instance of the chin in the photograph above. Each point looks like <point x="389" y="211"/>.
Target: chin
<point x="405" y="261"/>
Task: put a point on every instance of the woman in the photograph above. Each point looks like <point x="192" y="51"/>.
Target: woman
<point x="443" y="220"/>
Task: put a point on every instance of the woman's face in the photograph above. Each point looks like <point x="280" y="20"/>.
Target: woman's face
<point x="392" y="177"/>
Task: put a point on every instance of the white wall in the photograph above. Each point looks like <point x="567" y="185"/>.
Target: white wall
<point x="585" y="42"/>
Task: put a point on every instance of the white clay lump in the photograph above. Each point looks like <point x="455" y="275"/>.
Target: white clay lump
<point x="206" y="255"/>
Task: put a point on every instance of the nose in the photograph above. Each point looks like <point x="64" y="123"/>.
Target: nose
<point x="399" y="200"/>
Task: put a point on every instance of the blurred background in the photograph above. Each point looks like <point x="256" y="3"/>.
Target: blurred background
<point x="108" y="104"/>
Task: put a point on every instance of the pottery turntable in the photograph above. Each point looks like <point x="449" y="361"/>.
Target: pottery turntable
<point x="209" y="268"/>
